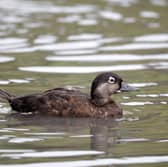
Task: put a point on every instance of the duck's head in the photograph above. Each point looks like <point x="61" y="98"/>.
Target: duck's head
<point x="106" y="84"/>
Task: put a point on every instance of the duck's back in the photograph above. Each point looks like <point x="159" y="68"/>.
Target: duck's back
<point x="63" y="102"/>
<point x="59" y="101"/>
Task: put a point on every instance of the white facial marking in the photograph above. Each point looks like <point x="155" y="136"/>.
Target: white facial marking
<point x="111" y="80"/>
<point x="105" y="89"/>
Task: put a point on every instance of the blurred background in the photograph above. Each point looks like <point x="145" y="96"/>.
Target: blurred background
<point x="46" y="44"/>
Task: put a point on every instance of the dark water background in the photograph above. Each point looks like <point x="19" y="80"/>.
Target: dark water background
<point x="46" y="44"/>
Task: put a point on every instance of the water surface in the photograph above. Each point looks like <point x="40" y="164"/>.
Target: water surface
<point x="47" y="44"/>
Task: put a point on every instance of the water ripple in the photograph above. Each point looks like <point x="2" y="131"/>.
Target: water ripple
<point x="137" y="103"/>
<point x="149" y="14"/>
<point x="46" y="134"/>
<point x="53" y="154"/>
<point x="45" y="39"/>
<point x="123" y="3"/>
<point x="76" y="52"/>
<point x="78" y="70"/>
<point x="152" y="38"/>
<point x="99" y="162"/>
<point x="94" y="69"/>
<point x="136" y="46"/>
<point x="57" y="47"/>
<point x="24" y="140"/>
<point x="16" y="81"/>
<point x="133" y="140"/>
<point x="111" y="57"/>
<point x="4" y="59"/>
<point x="81" y="37"/>
<point x="15" y="150"/>
<point x="29" y="7"/>
<point x="110" y="15"/>
<point x="153" y="95"/>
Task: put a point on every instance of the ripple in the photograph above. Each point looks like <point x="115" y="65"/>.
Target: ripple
<point x="133" y="140"/>
<point x="123" y="3"/>
<point x="153" y="25"/>
<point x="82" y="136"/>
<point x="78" y="70"/>
<point x="4" y="59"/>
<point x="53" y="154"/>
<point x="137" y="103"/>
<point x="17" y="81"/>
<point x="5" y="130"/>
<point x="46" y="134"/>
<point x="24" y="140"/>
<point x="7" y="48"/>
<point x="143" y="84"/>
<point x="3" y="82"/>
<point x="12" y="43"/>
<point x="45" y="39"/>
<point x="160" y="65"/>
<point x="2" y="120"/>
<point x="163" y="102"/>
<point x="12" y="40"/>
<point x="164" y="94"/>
<point x="87" y="22"/>
<point x="15" y="150"/>
<point x="76" y="52"/>
<point x="81" y="37"/>
<point x="136" y="46"/>
<point x="159" y="3"/>
<point x="16" y="129"/>
<point x="112" y="40"/>
<point x="162" y="141"/>
<point x="149" y="95"/>
<point x="110" y="15"/>
<point x="149" y="14"/>
<point x="93" y="69"/>
<point x="152" y="38"/>
<point x="57" y="47"/>
<point x="13" y="19"/>
<point x="99" y="162"/>
<point x="69" y="46"/>
<point x="29" y="7"/>
<point x="153" y="95"/>
<point x="129" y="20"/>
<point x="111" y="57"/>
<point x="69" y="19"/>
<point x="5" y="110"/>
<point x="5" y="137"/>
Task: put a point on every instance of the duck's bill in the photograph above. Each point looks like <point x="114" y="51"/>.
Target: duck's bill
<point x="126" y="87"/>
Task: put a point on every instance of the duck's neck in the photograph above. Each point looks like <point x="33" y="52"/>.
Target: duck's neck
<point x="100" y="99"/>
<point x="100" y="95"/>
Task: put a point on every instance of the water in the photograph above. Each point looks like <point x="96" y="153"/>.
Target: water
<point x="47" y="44"/>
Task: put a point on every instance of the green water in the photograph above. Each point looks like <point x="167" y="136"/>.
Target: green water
<point x="128" y="37"/>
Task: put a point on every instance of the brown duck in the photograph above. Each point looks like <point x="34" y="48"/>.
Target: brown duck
<point x="73" y="103"/>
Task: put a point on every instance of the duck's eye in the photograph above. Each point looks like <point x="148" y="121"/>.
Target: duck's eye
<point x="111" y="80"/>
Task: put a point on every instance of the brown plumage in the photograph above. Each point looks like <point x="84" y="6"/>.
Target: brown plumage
<point x="72" y="103"/>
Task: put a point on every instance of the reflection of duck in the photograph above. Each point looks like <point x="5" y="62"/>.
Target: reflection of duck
<point x="64" y="102"/>
<point x="79" y="133"/>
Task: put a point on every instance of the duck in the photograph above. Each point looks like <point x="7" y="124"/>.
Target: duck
<point x="63" y="102"/>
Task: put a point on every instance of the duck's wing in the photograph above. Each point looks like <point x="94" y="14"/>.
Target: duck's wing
<point x="64" y="91"/>
<point x="58" y="101"/>
<point x="65" y="102"/>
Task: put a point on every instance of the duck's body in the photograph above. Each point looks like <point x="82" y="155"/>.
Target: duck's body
<point x="63" y="102"/>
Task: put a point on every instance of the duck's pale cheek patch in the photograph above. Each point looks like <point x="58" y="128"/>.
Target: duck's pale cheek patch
<point x="114" y="88"/>
<point x="102" y="89"/>
<point x="106" y="89"/>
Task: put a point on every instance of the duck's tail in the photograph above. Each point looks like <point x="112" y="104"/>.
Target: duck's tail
<point x="4" y="96"/>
